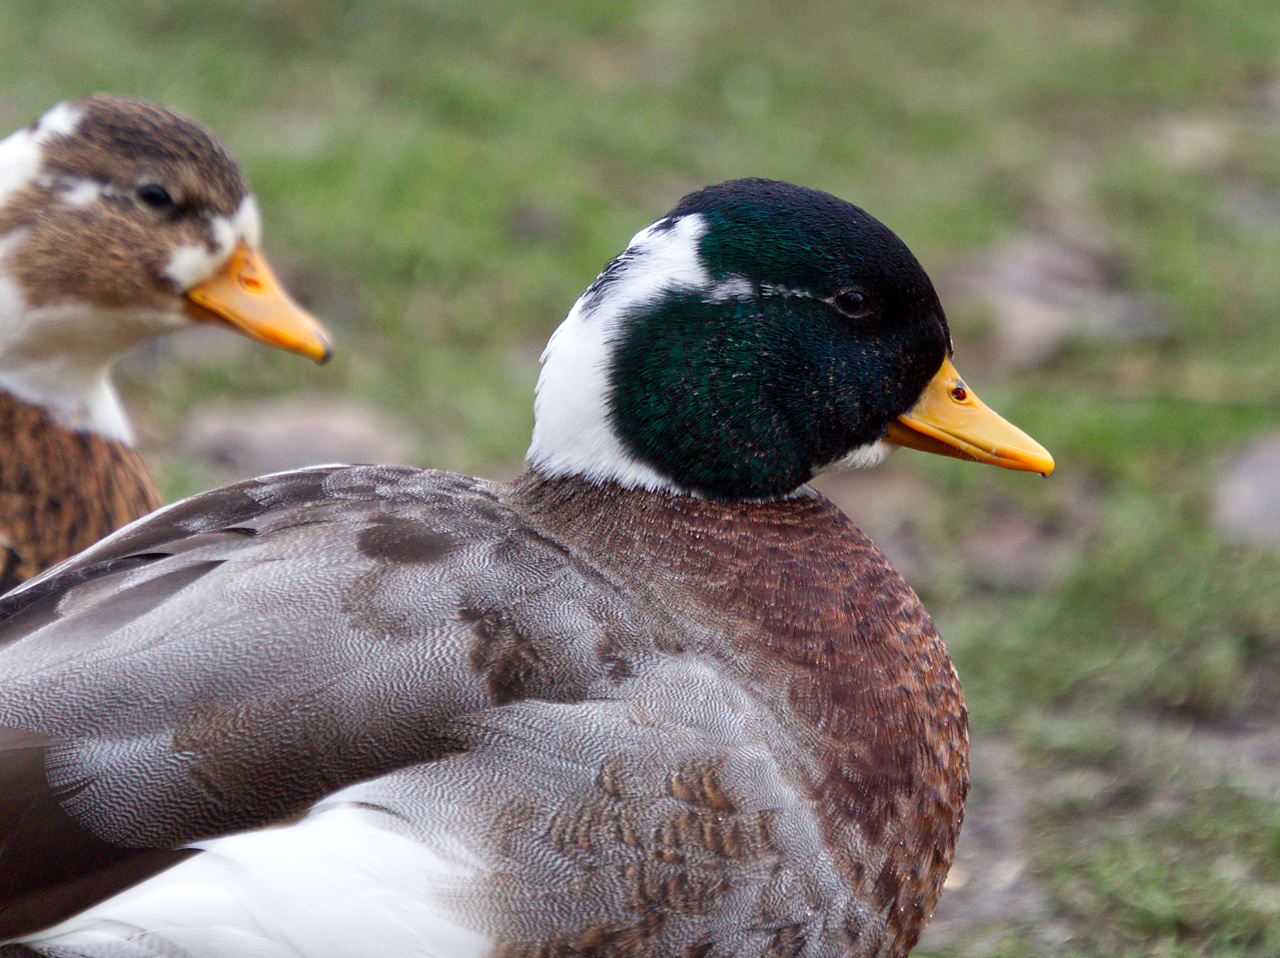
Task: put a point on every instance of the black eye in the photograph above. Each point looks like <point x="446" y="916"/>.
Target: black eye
<point x="155" y="196"/>
<point x="852" y="303"/>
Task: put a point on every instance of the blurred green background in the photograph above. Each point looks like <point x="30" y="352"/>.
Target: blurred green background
<point x="1095" y="188"/>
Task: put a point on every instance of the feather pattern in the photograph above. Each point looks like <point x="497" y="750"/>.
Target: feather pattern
<point x="675" y="636"/>
<point x="61" y="490"/>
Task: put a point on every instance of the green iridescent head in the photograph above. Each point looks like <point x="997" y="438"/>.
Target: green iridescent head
<point x="758" y="333"/>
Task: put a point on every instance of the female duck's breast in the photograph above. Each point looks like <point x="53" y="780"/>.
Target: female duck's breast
<point x="61" y="490"/>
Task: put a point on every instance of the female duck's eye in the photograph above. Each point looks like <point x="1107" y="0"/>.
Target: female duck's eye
<point x="852" y="303"/>
<point x="155" y="196"/>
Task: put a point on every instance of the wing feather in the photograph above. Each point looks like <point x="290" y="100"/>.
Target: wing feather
<point x="228" y="661"/>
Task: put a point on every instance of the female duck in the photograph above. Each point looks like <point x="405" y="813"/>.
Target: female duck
<point x="119" y="221"/>
<point x="655" y="697"/>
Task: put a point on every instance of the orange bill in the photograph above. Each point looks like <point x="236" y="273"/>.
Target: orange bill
<point x="951" y="421"/>
<point x="247" y="295"/>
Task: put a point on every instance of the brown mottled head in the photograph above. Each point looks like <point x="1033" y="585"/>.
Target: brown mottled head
<point x="124" y="204"/>
<point x="126" y="142"/>
<point x="121" y="220"/>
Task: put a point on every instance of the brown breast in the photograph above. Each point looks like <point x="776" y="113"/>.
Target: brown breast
<point x="813" y="617"/>
<point x="61" y="490"/>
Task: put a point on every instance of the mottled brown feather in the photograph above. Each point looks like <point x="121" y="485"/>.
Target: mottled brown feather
<point x="61" y="490"/>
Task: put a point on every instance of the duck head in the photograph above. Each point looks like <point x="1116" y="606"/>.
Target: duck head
<point x="120" y="221"/>
<point x="756" y="335"/>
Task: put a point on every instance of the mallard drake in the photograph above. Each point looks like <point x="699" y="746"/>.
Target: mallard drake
<point x="656" y="696"/>
<point x="119" y="221"/>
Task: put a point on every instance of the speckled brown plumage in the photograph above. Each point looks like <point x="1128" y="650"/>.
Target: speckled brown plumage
<point x="61" y="490"/>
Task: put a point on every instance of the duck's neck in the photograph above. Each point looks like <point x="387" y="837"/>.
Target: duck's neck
<point x="51" y="359"/>
<point x="613" y="515"/>
<point x="79" y="403"/>
<point x="61" y="490"/>
<point x="799" y="606"/>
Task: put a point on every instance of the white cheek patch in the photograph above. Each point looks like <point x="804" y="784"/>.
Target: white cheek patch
<point x="224" y="236"/>
<point x="22" y="152"/>
<point x="572" y="434"/>
<point x="193" y="263"/>
<point x="247" y="222"/>
<point x="81" y="192"/>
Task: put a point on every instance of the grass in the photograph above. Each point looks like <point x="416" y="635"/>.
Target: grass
<point x="439" y="181"/>
<point x="1155" y="862"/>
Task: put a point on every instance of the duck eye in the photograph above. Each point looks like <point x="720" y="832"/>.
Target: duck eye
<point x="851" y="303"/>
<point x="155" y="196"/>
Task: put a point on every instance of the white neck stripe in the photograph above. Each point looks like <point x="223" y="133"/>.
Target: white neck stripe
<point x="572" y="434"/>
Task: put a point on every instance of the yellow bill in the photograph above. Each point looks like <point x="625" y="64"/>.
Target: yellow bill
<point x="951" y="421"/>
<point x="247" y="295"/>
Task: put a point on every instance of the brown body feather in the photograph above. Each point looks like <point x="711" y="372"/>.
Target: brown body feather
<point x="61" y="490"/>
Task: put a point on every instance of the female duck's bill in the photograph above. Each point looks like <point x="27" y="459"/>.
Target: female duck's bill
<point x="246" y="295"/>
